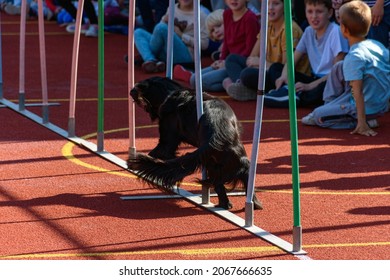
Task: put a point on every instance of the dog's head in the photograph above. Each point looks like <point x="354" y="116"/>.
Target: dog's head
<point x="152" y="92"/>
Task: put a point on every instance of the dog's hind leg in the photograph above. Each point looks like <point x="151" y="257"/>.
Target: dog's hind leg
<point x="223" y="200"/>
<point x="257" y="203"/>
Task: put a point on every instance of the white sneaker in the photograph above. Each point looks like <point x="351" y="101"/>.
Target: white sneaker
<point x="71" y="28"/>
<point x="373" y="123"/>
<point x="92" y="31"/>
<point x="309" y="119"/>
<point x="12" y="9"/>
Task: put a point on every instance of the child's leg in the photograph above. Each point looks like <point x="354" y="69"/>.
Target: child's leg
<point x="212" y="81"/>
<point x="312" y="98"/>
<point x="234" y="64"/>
<point x="142" y="43"/>
<point x="337" y="114"/>
<point x="158" y="45"/>
<point x="335" y="83"/>
<point x="250" y="77"/>
<point x="204" y="72"/>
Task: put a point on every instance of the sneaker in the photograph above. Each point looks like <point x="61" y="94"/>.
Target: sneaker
<point x="72" y="27"/>
<point x="160" y="65"/>
<point x="227" y="82"/>
<point x="12" y="9"/>
<point x="278" y="98"/>
<point x="240" y="92"/>
<point x="92" y="31"/>
<point x="373" y="123"/>
<point x="181" y="74"/>
<point x="309" y="119"/>
<point x="137" y="59"/>
<point x="49" y="15"/>
<point x="149" y="66"/>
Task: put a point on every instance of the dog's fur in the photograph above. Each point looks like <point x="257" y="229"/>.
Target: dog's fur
<point x="216" y="136"/>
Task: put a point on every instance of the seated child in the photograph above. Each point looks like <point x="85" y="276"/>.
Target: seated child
<point x="324" y="45"/>
<point x="240" y="29"/>
<point x="367" y="70"/>
<point x="153" y="47"/>
<point x="244" y="71"/>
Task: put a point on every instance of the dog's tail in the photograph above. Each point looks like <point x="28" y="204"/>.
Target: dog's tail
<point x="164" y="174"/>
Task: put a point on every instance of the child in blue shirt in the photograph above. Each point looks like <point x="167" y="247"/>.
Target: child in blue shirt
<point x="367" y="70"/>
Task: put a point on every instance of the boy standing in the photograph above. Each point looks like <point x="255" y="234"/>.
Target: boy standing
<point x="324" y="45"/>
<point x="367" y="69"/>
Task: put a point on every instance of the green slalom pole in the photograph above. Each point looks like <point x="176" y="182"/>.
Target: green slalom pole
<point x="297" y="230"/>
<point x="100" y="132"/>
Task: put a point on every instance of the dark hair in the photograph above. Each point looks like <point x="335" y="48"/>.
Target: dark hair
<point x="327" y="3"/>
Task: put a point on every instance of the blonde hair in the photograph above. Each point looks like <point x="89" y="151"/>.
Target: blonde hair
<point x="213" y="19"/>
<point x="356" y="17"/>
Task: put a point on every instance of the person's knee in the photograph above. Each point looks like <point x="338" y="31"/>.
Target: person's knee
<point x="161" y="28"/>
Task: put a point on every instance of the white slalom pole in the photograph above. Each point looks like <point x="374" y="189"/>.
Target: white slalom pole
<point x="130" y="70"/>
<point x="22" y="55"/>
<point x="75" y="62"/>
<point x="259" y="115"/>
<point x="171" y="32"/>
<point x="1" y="64"/>
<point x="42" y="49"/>
<point x="198" y="83"/>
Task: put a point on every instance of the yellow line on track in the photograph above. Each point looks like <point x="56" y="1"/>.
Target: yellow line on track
<point x="67" y="152"/>
<point x="190" y="252"/>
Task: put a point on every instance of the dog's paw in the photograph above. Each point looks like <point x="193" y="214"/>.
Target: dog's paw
<point x="226" y="206"/>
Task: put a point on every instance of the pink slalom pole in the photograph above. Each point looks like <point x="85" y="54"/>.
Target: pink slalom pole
<point x="22" y="52"/>
<point x="130" y="69"/>
<point x="42" y="49"/>
<point x="73" y="78"/>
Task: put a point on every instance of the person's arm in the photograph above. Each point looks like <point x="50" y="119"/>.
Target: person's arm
<point x="283" y="78"/>
<point x="253" y="59"/>
<point x="377" y="12"/>
<point x="362" y="126"/>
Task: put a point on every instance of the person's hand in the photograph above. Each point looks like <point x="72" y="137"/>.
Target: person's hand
<point x="252" y="61"/>
<point x="299" y="86"/>
<point x="178" y="31"/>
<point x="377" y="13"/>
<point x="218" y="64"/>
<point x="280" y="82"/>
<point x="364" y="129"/>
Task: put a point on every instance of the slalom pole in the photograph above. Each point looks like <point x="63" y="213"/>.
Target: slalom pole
<point x="1" y="63"/>
<point x="249" y="215"/>
<point x="171" y="32"/>
<point x="130" y="71"/>
<point x="100" y="131"/>
<point x="42" y="49"/>
<point x="198" y="84"/>
<point x="297" y="228"/>
<point x="22" y="55"/>
<point x="73" y="77"/>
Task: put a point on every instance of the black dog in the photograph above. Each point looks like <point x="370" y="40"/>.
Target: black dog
<point x="216" y="136"/>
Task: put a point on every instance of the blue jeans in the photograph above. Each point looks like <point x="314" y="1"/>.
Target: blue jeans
<point x="154" y="46"/>
<point x="211" y="79"/>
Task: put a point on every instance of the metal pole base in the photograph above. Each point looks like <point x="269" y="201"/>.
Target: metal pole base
<point x="45" y="114"/>
<point x="71" y="127"/>
<point x="297" y="239"/>
<point x="132" y="152"/>
<point x="249" y="215"/>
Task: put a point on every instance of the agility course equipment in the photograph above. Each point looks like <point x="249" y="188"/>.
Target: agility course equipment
<point x="203" y="200"/>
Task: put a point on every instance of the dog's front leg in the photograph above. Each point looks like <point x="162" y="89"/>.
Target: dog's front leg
<point x="223" y="200"/>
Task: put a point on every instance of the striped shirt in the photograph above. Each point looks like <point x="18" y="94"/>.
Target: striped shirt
<point x="371" y="3"/>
